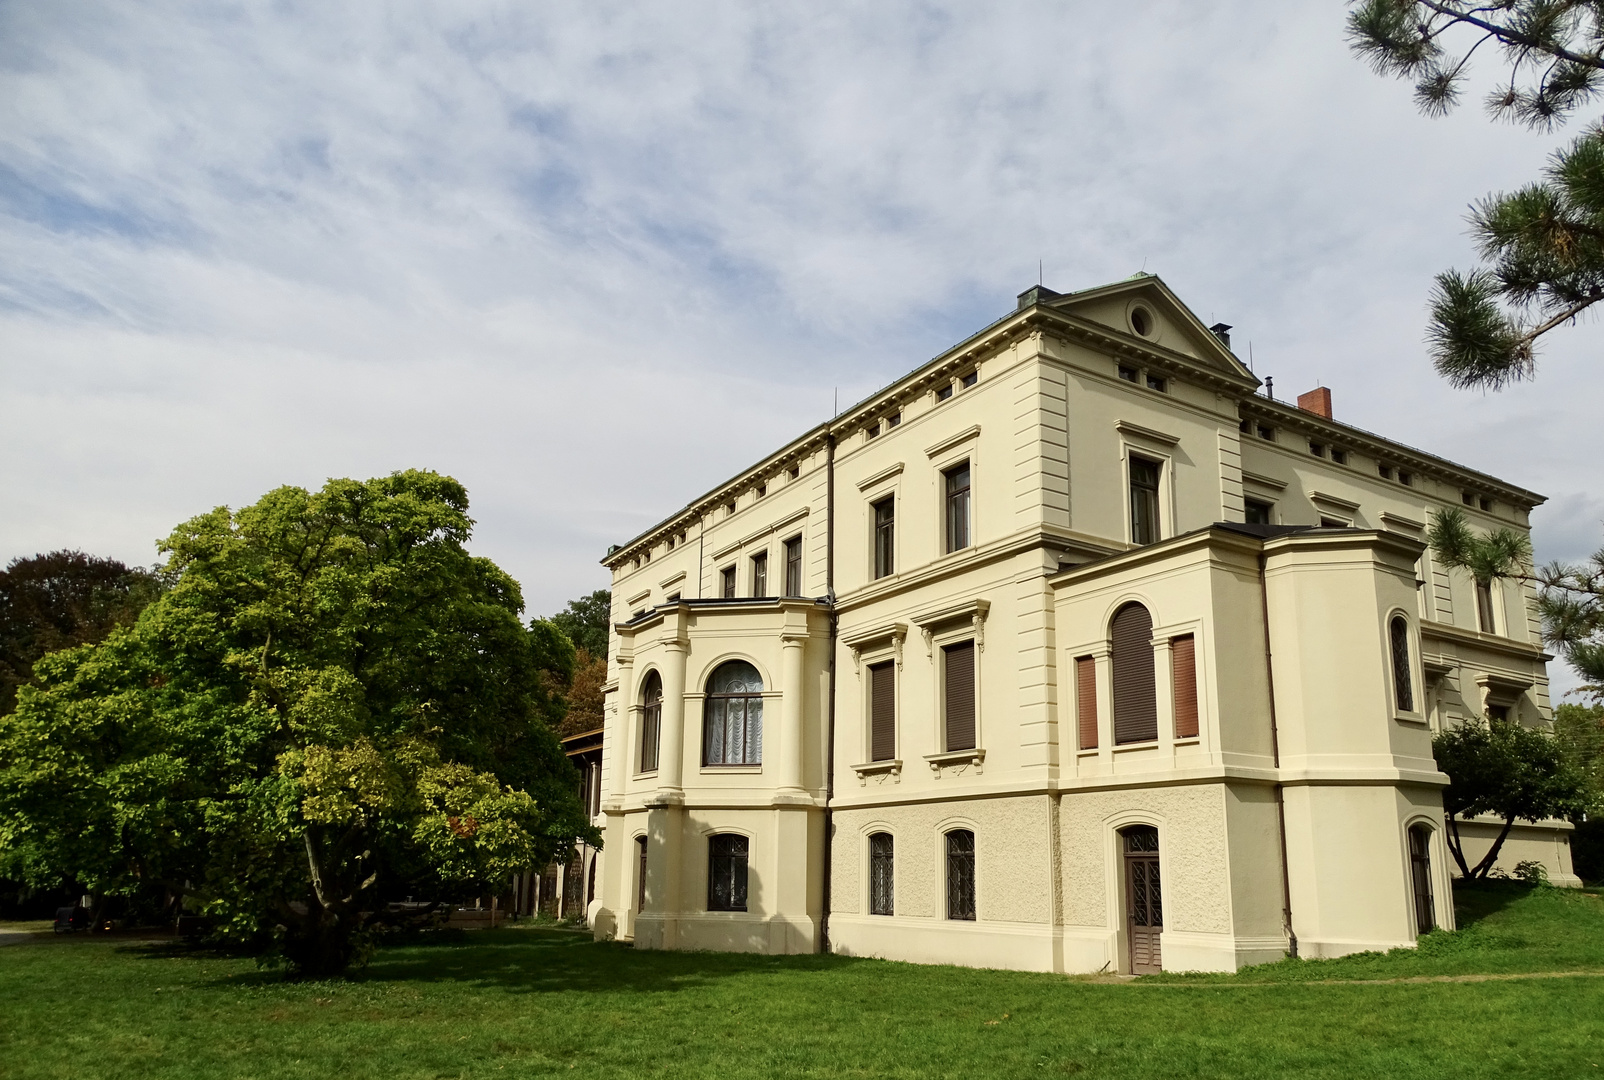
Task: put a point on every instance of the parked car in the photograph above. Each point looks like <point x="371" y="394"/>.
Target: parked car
<point x="69" y="919"/>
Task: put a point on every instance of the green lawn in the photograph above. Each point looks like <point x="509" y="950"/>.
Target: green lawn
<point x="550" y="1003"/>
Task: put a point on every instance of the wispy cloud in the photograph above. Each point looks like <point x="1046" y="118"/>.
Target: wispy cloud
<point x="592" y="258"/>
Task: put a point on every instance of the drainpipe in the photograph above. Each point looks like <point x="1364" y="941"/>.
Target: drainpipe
<point x="1275" y="751"/>
<point x="829" y="757"/>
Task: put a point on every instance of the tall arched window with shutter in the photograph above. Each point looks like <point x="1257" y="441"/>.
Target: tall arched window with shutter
<point x="651" y="721"/>
<point x="1131" y="659"/>
<point x="1402" y="686"/>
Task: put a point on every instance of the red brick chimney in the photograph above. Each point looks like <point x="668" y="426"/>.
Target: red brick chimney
<point x="1317" y="401"/>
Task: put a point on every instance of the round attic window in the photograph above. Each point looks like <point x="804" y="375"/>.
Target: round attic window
<point x="1141" y="321"/>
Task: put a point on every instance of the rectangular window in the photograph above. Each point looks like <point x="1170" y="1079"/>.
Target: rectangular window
<point x="893" y="420"/>
<point x="1498" y="714"/>
<point x="958" y="675"/>
<point x="1183" y="678"/>
<point x="796" y="471"/>
<point x="1086" y="701"/>
<point x="1384" y="471"/>
<point x="1467" y="498"/>
<point x="1333" y="523"/>
<point x="966" y="381"/>
<point x="1256" y="513"/>
<point x="1245" y="426"/>
<point x="651" y="722"/>
<point x="882" y="892"/>
<point x="762" y="490"/>
<point x="1267" y="433"/>
<point x="885" y="537"/>
<point x="1484" y="607"/>
<point x="760" y="574"/>
<point x="957" y="485"/>
<point x="793" y="566"/>
<point x="1487" y="505"/>
<point x="1317" y="449"/>
<point x="944" y="393"/>
<point x="1127" y="373"/>
<point x="1155" y="383"/>
<point x="726" y="886"/>
<point x="882" y="711"/>
<point x="1144" y="501"/>
<point x="1407" y="479"/>
<point x="1340" y="457"/>
<point x="874" y="430"/>
<point x="726" y="583"/>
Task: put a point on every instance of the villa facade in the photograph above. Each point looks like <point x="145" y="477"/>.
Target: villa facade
<point x="1069" y="651"/>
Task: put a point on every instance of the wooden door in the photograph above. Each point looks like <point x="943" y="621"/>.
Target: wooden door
<point x="1144" y="900"/>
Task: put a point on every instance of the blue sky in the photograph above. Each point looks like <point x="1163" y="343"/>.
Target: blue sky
<point x="592" y="258"/>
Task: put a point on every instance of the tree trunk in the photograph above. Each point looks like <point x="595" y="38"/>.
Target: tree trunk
<point x="1491" y="857"/>
<point x="1455" y="848"/>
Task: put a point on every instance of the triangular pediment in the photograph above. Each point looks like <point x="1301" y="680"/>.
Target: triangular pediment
<point x="1144" y="309"/>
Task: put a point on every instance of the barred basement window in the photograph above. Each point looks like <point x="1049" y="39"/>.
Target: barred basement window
<point x="1402" y="688"/>
<point x="726" y="885"/>
<point x="961" y="875"/>
<point x="651" y="721"/>
<point x="882" y="890"/>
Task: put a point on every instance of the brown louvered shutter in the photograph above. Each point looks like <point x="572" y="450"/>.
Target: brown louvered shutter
<point x="1135" y="703"/>
<point x="960" y="665"/>
<point x="1086" y="700"/>
<point x="883" y="711"/>
<point x="1183" y="666"/>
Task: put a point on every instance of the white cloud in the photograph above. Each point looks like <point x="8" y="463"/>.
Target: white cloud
<point x="255" y="244"/>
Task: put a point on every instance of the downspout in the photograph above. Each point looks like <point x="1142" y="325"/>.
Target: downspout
<point x="829" y="758"/>
<point x="1275" y="752"/>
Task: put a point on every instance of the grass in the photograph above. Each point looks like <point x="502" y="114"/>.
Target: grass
<point x="525" y="1003"/>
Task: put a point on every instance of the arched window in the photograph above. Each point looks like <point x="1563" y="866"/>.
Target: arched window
<point x="640" y="874"/>
<point x="651" y="721"/>
<point x="1135" y="699"/>
<point x="1420" y="878"/>
<point x="733" y="731"/>
<point x="1403" y="691"/>
<point x="961" y="875"/>
<point x="726" y="876"/>
<point x="882" y="892"/>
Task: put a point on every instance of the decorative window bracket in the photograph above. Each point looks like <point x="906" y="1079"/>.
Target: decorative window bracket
<point x="957" y="760"/>
<point x="880" y="770"/>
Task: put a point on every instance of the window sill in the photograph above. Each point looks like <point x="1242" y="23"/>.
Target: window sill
<point x="1090" y="751"/>
<point x="892" y="768"/>
<point x="1190" y="740"/>
<point x="652" y="775"/>
<point x="711" y="770"/>
<point x="1124" y="748"/>
<point x="1414" y="719"/>
<point x="956" y="759"/>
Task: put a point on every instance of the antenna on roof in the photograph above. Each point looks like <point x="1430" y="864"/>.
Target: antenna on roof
<point x="837" y="406"/>
<point x="1039" y="278"/>
<point x="1250" y="355"/>
<point x="1143" y="270"/>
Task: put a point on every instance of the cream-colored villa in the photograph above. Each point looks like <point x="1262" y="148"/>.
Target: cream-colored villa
<point x="1069" y="651"/>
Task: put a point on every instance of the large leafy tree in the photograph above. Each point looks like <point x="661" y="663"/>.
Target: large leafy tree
<point x="61" y="599"/>
<point x="1507" y="770"/>
<point x="1543" y="245"/>
<point x="334" y="707"/>
<point x="588" y="622"/>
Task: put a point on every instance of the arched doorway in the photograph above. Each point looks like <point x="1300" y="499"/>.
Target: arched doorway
<point x="1144" y="898"/>
<point x="1420" y="878"/>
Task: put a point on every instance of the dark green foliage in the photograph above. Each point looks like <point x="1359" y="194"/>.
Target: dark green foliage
<point x="62" y="599"/>
<point x="1572" y="606"/>
<point x="1544" y="242"/>
<point x="1505" y="769"/>
<point x="335" y="706"/>
<point x="587" y="622"/>
<point x="1501" y="554"/>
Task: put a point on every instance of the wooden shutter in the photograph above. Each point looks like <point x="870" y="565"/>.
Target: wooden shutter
<point x="883" y="711"/>
<point x="1086" y="700"/>
<point x="1135" y="701"/>
<point x="960" y="697"/>
<point x="1183" y="669"/>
